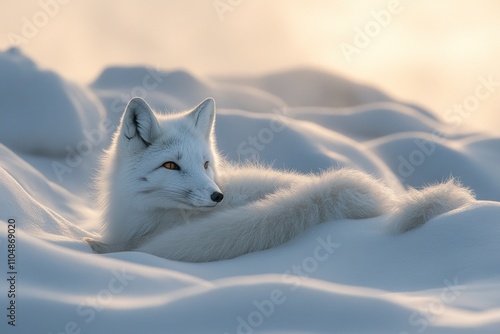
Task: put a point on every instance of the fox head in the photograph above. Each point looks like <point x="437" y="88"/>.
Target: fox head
<point x="166" y="161"/>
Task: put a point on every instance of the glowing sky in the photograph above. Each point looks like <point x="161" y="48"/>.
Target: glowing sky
<point x="429" y="52"/>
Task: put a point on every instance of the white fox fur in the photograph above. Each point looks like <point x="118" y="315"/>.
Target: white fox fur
<point x="174" y="214"/>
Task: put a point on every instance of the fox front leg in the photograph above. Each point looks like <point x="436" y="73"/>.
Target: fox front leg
<point x="102" y="248"/>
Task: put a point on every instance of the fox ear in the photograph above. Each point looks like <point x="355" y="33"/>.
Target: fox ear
<point x="139" y="123"/>
<point x="203" y="116"/>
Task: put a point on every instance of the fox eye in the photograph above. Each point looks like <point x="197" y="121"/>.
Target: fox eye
<point x="205" y="165"/>
<point x="171" y="165"/>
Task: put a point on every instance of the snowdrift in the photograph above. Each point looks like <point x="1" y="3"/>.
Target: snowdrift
<point x="340" y="277"/>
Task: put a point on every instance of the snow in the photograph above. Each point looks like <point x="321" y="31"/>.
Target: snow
<point x="340" y="277"/>
<point x="37" y="98"/>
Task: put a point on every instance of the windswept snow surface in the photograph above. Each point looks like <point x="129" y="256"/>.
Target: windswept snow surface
<point x="340" y="277"/>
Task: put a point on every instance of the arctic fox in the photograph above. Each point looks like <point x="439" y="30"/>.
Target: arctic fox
<point x="164" y="190"/>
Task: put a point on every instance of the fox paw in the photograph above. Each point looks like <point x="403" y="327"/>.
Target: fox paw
<point x="97" y="247"/>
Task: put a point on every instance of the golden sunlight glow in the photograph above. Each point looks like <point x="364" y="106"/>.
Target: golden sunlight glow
<point x="429" y="53"/>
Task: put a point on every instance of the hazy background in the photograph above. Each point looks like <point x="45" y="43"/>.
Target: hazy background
<point x="431" y="52"/>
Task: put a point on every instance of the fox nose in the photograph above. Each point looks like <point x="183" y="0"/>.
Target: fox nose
<point x="217" y="196"/>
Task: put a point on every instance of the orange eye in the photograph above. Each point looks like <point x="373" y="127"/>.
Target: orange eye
<point x="205" y="165"/>
<point x="171" y="165"/>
